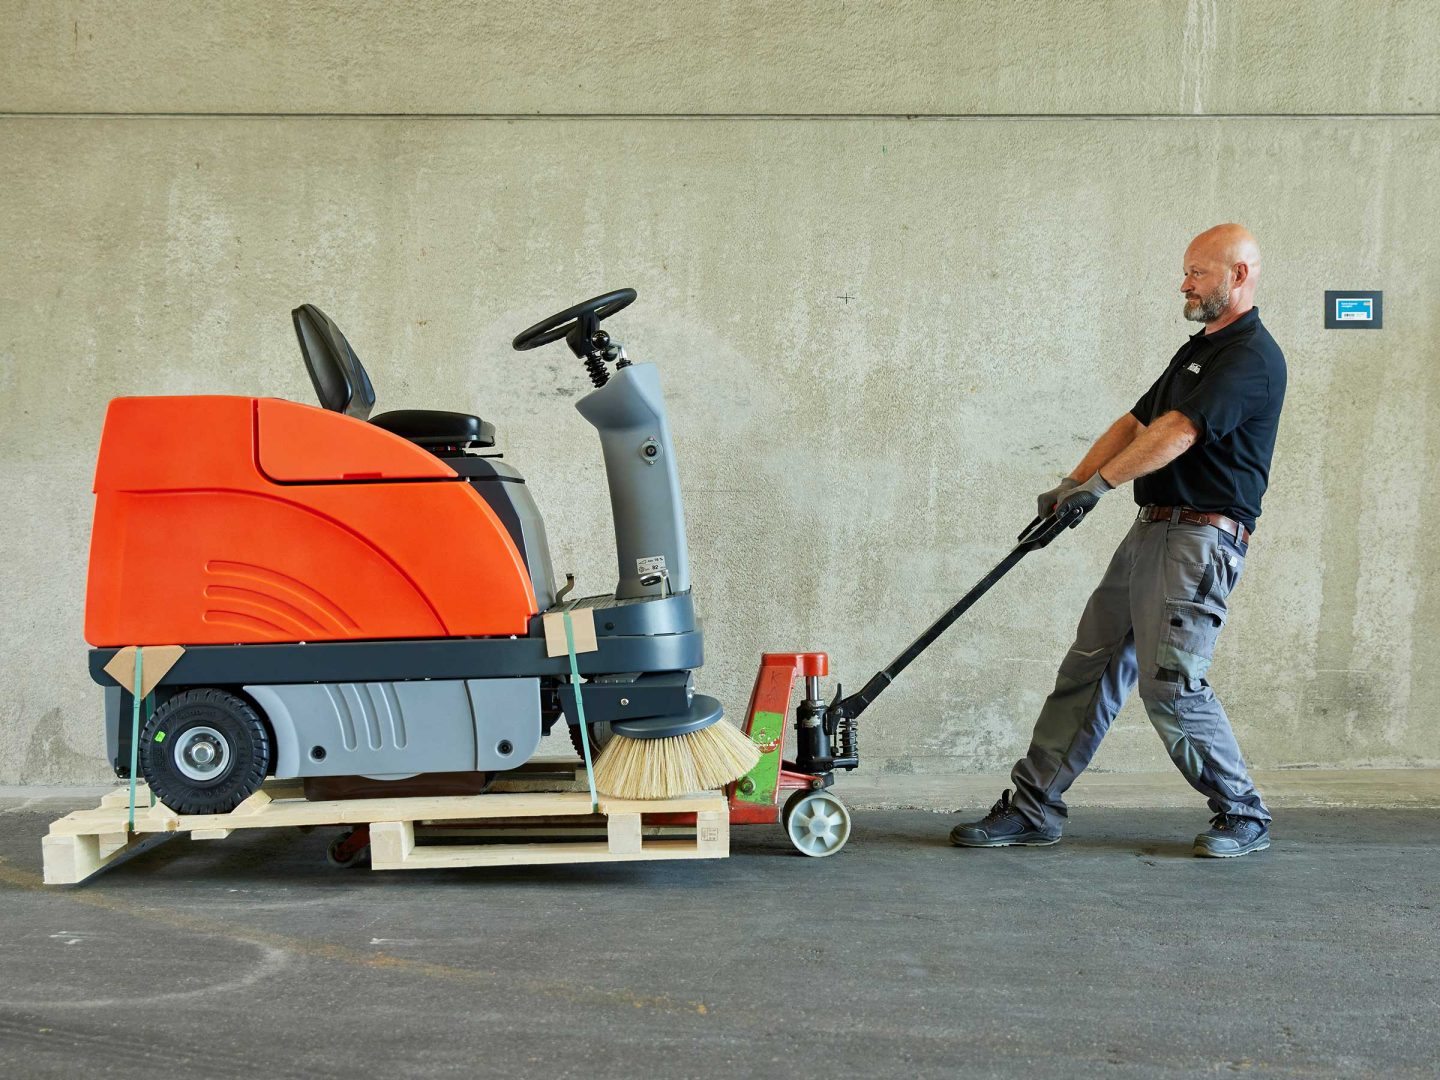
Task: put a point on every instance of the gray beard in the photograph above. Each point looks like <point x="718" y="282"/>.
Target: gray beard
<point x="1210" y="307"/>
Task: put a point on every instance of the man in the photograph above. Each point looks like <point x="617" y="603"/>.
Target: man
<point x="1198" y="446"/>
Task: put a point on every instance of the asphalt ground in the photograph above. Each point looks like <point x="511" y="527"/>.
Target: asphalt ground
<point x="1114" y="954"/>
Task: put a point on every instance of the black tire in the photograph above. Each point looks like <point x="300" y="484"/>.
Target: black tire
<point x="204" y="751"/>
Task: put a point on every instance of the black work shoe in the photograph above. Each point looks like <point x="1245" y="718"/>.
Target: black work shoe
<point x="1001" y="827"/>
<point x="1230" y="836"/>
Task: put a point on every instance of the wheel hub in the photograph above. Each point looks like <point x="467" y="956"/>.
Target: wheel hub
<point x="818" y="824"/>
<point x="202" y="753"/>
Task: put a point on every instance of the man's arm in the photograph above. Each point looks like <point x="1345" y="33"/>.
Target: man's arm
<point x="1156" y="445"/>
<point x="1153" y="448"/>
<point x="1117" y="437"/>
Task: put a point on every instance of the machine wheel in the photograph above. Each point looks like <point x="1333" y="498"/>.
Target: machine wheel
<point x="204" y="751"/>
<point x="350" y="848"/>
<point x="600" y="734"/>
<point x="817" y="823"/>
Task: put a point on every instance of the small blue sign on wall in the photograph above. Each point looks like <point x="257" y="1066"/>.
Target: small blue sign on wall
<point x="1353" y="309"/>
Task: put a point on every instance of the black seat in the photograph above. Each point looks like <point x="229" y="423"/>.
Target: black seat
<point x="340" y="380"/>
<point x="432" y="427"/>
<point x="343" y="385"/>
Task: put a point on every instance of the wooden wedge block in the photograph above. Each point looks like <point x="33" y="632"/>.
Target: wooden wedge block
<point x="69" y="859"/>
<point x="712" y="834"/>
<point x="623" y="834"/>
<point x="391" y="843"/>
<point x="111" y="842"/>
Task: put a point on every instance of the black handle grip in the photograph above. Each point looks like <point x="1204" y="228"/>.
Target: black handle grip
<point x="1044" y="529"/>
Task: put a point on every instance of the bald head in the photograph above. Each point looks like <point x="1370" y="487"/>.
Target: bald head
<point x="1222" y="268"/>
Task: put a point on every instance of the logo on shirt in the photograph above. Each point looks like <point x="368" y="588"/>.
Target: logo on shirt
<point x="1193" y="367"/>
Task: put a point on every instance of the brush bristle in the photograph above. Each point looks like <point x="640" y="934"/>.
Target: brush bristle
<point x="666" y="768"/>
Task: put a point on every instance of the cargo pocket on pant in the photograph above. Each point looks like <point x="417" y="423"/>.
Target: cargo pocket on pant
<point x="1187" y="644"/>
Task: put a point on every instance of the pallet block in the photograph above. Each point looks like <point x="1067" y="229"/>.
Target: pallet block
<point x="84" y="842"/>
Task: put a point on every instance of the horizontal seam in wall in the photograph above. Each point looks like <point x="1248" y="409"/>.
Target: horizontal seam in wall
<point x="769" y="117"/>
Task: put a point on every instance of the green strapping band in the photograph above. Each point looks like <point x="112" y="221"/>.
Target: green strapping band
<point x="135" y="732"/>
<point x="135" y="735"/>
<point x="579" y="711"/>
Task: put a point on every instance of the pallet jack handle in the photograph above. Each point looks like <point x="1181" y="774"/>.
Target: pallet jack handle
<point x="1035" y="536"/>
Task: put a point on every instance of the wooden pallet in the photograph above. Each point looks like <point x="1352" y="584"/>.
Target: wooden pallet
<point x="523" y="806"/>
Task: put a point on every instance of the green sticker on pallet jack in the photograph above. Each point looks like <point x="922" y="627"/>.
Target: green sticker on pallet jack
<point x="767" y="731"/>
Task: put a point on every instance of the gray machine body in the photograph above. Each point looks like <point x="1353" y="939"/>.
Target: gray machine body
<point x="389" y="730"/>
<point x="506" y="493"/>
<point x="629" y="413"/>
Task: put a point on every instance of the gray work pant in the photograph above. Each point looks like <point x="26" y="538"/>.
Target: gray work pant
<point x="1156" y="614"/>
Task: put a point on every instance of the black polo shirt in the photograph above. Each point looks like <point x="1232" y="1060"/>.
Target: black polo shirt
<point x="1231" y="384"/>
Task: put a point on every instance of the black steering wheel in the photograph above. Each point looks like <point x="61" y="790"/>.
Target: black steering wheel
<point x="584" y="317"/>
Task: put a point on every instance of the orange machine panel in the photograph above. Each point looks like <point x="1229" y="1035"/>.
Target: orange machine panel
<point x="170" y="443"/>
<point x="193" y="544"/>
<point x="303" y="442"/>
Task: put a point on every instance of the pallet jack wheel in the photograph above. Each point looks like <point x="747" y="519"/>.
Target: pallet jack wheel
<point x="350" y="849"/>
<point x="817" y="822"/>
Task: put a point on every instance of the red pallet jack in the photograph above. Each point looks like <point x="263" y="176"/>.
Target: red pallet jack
<point x="797" y="793"/>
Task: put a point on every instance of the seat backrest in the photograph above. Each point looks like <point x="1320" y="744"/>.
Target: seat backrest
<point x="340" y="380"/>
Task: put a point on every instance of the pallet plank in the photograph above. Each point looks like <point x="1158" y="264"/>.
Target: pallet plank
<point x="447" y="856"/>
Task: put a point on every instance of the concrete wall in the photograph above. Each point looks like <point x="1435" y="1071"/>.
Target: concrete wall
<point x="1005" y="191"/>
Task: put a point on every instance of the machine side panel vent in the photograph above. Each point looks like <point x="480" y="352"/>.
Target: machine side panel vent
<point x="361" y="703"/>
<point x="361" y="729"/>
<point x="388" y="701"/>
<point x="343" y="715"/>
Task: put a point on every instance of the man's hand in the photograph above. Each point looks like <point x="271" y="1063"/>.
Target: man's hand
<point x="1085" y="496"/>
<point x="1046" y="501"/>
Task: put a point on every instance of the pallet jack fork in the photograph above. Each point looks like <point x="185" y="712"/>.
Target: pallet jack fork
<point x="797" y="793"/>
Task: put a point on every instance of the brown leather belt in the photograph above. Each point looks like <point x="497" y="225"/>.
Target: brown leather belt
<point x="1188" y="516"/>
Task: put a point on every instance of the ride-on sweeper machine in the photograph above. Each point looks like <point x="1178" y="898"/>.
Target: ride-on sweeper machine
<point x="360" y="600"/>
<point x="363" y="597"/>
